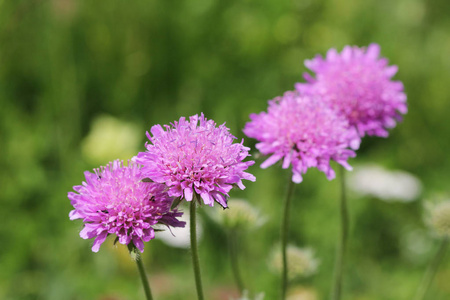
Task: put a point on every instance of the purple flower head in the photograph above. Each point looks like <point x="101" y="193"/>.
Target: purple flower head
<point x="194" y="156"/>
<point x="358" y="85"/>
<point x="305" y="132"/>
<point x="114" y="200"/>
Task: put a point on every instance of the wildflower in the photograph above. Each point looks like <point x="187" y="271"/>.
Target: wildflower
<point x="373" y="180"/>
<point x="439" y="218"/>
<point x="114" y="200"/>
<point x="195" y="157"/>
<point x="304" y="132"/>
<point x="302" y="262"/>
<point x="358" y="84"/>
<point x="240" y="215"/>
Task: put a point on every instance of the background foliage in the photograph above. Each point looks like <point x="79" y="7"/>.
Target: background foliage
<point x="63" y="63"/>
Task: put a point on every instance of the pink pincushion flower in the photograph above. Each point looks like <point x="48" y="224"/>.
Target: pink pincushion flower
<point x="195" y="156"/>
<point x="114" y="200"/>
<point x="305" y="132"/>
<point x="358" y="85"/>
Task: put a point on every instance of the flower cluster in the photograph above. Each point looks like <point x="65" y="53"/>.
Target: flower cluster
<point x="114" y="200"/>
<point x="357" y="83"/>
<point x="304" y="132"/>
<point x="195" y="157"/>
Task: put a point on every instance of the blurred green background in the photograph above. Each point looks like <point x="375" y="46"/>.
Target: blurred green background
<point x="81" y="81"/>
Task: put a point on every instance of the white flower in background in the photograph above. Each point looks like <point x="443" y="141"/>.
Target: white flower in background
<point x="245" y="296"/>
<point x="438" y="217"/>
<point x="239" y="215"/>
<point x="302" y="262"/>
<point x="375" y="181"/>
<point x="110" y="139"/>
<point x="180" y="237"/>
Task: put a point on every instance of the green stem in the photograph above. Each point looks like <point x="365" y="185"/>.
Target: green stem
<point x="145" y="283"/>
<point x="284" y="238"/>
<point x="232" y="244"/>
<point x="342" y="246"/>
<point x="431" y="271"/>
<point x="194" y="250"/>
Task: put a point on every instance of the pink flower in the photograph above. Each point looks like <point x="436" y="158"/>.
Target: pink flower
<point x="304" y="132"/>
<point x="197" y="157"/>
<point x="114" y="200"/>
<point x="358" y="84"/>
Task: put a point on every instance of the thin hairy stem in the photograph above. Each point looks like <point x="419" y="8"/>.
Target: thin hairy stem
<point x="194" y="249"/>
<point x="284" y="238"/>
<point x="145" y="283"/>
<point x="342" y="246"/>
